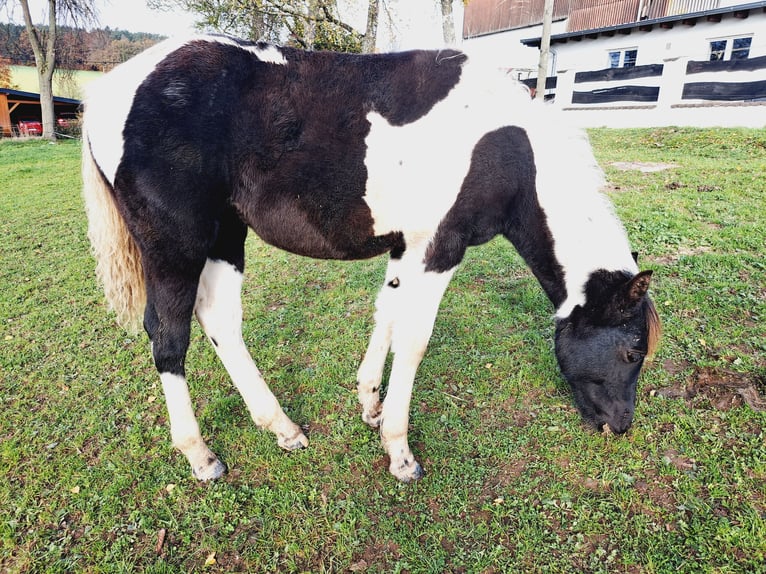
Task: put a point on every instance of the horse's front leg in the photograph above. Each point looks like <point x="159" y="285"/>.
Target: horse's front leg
<point x="370" y="373"/>
<point x="170" y="300"/>
<point x="414" y="311"/>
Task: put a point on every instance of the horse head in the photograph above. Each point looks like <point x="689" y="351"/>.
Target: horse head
<point x="602" y="345"/>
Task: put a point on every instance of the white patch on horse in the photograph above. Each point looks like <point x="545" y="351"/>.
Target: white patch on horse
<point x="269" y="54"/>
<point x="219" y="311"/>
<point x="586" y="233"/>
<point x="110" y="99"/>
<point x="184" y="429"/>
<point x="415" y="171"/>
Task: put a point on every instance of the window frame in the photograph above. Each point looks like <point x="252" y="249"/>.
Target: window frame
<point x="621" y="53"/>
<point x="728" y="48"/>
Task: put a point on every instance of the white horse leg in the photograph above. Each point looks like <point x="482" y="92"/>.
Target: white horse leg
<point x="184" y="429"/>
<point x="414" y="312"/>
<point x="370" y="373"/>
<point x="219" y="311"/>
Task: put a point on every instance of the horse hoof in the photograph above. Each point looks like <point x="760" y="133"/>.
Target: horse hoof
<point x="295" y="442"/>
<point x="373" y="417"/>
<point x="213" y="469"/>
<point x="373" y="421"/>
<point x="408" y="471"/>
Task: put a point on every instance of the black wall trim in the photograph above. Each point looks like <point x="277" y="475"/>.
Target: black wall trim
<point x="724" y="91"/>
<point x="611" y="74"/>
<point x="747" y="65"/>
<point x="618" y="94"/>
<point x="550" y="82"/>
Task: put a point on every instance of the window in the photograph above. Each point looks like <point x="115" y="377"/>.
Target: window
<point x="740" y="48"/>
<point x="630" y="58"/>
<point x="730" y="48"/>
<point x="623" y="58"/>
<point x="717" y="49"/>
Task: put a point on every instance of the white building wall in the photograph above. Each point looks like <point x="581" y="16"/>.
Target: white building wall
<point x="660" y="44"/>
<point x="672" y="47"/>
<point x="506" y="49"/>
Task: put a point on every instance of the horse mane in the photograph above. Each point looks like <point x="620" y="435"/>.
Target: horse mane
<point x="654" y="328"/>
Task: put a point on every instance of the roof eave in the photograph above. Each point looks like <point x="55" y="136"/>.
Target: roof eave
<point x="535" y="42"/>
<point x="34" y="96"/>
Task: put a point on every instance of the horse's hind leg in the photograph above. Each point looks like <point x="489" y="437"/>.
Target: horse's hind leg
<point x="167" y="320"/>
<point x="219" y="311"/>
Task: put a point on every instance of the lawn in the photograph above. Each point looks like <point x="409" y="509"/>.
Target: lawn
<point x="25" y="78"/>
<point x="514" y="482"/>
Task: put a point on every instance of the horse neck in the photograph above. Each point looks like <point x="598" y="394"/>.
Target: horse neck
<point x="568" y="229"/>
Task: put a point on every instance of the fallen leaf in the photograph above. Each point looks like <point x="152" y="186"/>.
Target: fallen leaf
<point x="170" y="487"/>
<point x="210" y="560"/>
<point x="160" y="540"/>
<point x="75" y="490"/>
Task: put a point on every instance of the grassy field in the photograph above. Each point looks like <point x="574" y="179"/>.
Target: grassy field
<point x="24" y="78"/>
<point x="90" y="483"/>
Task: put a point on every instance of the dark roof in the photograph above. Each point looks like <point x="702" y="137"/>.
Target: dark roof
<point x="608" y="30"/>
<point x="33" y="97"/>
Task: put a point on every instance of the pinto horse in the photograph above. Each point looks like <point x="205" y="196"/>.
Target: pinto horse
<point x="417" y="154"/>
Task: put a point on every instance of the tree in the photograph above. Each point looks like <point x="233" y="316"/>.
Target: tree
<point x="310" y="24"/>
<point x="5" y="72"/>
<point x="43" y="42"/>
<point x="371" y="31"/>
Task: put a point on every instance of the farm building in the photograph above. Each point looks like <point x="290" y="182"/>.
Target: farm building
<point x="20" y="111"/>
<point x="656" y="62"/>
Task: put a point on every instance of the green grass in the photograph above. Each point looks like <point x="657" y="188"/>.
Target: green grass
<point x="514" y="482"/>
<point x="25" y="78"/>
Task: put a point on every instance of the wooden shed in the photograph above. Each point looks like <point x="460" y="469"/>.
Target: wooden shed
<point x="16" y="106"/>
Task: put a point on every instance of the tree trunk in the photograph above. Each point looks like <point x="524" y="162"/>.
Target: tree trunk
<point x="45" y="62"/>
<point x="371" y="33"/>
<point x="448" y="23"/>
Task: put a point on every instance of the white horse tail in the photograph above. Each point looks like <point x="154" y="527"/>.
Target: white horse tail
<point x="118" y="259"/>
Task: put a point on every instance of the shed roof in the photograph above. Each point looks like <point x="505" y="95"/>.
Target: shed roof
<point x="33" y="97"/>
<point x="740" y="9"/>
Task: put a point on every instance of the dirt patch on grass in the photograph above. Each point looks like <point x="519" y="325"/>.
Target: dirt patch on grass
<point x="378" y="554"/>
<point x="680" y="252"/>
<point x="642" y="166"/>
<point x="720" y="389"/>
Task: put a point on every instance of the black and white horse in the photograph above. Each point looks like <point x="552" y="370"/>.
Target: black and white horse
<point x="417" y="154"/>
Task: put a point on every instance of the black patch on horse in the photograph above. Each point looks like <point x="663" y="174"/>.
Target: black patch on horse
<point x="499" y="196"/>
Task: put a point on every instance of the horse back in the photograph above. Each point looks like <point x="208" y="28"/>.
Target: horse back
<point x="282" y="135"/>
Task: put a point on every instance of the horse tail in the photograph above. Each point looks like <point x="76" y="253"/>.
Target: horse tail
<point x="118" y="259"/>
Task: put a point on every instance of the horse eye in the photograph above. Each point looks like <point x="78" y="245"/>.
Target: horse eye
<point x="633" y="356"/>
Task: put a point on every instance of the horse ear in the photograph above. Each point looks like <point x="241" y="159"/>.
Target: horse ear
<point x="635" y="289"/>
<point x="634" y="255"/>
